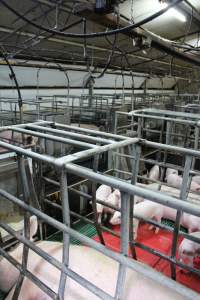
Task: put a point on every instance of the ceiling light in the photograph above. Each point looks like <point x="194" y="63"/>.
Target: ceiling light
<point x="172" y="12"/>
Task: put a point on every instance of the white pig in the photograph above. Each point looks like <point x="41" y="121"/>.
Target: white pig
<point x="114" y="199"/>
<point x="175" y="181"/>
<point x="96" y="268"/>
<point x="170" y="171"/>
<point x="88" y="263"/>
<point x="149" y="210"/>
<point x="192" y="223"/>
<point x="102" y="193"/>
<point x="196" y="179"/>
<point x="154" y="173"/>
<point x="188" y="250"/>
<point x="146" y="209"/>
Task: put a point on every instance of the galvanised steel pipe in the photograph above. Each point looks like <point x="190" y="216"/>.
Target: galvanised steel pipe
<point x="55" y="138"/>
<point x="134" y="265"/>
<point x="73" y="135"/>
<point x="60" y="266"/>
<point x="134" y="189"/>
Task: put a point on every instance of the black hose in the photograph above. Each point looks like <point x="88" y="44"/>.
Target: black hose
<point x="96" y="34"/>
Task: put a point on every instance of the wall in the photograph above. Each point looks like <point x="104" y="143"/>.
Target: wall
<point x="54" y="82"/>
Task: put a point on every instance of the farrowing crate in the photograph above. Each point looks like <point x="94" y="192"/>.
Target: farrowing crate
<point x="93" y="144"/>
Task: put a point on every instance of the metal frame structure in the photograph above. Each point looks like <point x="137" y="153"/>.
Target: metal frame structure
<point x="93" y="144"/>
<point x="178" y="128"/>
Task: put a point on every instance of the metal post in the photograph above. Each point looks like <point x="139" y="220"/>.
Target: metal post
<point x="26" y="199"/>
<point x="94" y="204"/>
<point x="125" y="212"/>
<point x="66" y="236"/>
<point x="135" y="152"/>
<point x="183" y="197"/>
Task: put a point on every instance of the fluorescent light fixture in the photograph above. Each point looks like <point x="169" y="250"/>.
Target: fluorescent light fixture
<point x="172" y="12"/>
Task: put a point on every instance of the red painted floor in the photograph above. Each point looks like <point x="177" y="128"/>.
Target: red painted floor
<point x="162" y="242"/>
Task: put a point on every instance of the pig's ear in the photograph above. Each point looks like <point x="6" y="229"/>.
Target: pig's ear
<point x="33" y="226"/>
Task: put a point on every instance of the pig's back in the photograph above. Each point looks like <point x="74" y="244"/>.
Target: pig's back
<point x="98" y="269"/>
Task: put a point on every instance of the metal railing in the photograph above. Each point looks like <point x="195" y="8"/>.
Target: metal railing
<point x="92" y="144"/>
<point x="171" y="127"/>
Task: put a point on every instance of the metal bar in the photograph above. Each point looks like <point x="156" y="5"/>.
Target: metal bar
<point x="125" y="211"/>
<point x="92" y="132"/>
<point x="170" y="148"/>
<point x="90" y="152"/>
<point x="154" y="196"/>
<point x="153" y="162"/>
<point x="66" y="236"/>
<point x="26" y="199"/>
<point x="71" y="134"/>
<point x="28" y="153"/>
<point x="94" y="204"/>
<point x="55" y="138"/>
<point x="26" y="273"/>
<point x="82" y="281"/>
<point x="130" y="263"/>
<point x="136" y="152"/>
<point x="149" y="221"/>
<point x="183" y="196"/>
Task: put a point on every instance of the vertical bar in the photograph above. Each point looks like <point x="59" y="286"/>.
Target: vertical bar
<point x="94" y="203"/>
<point x="196" y="141"/>
<point x="116" y="122"/>
<point x="26" y="199"/>
<point x="125" y="212"/>
<point x="183" y="196"/>
<point x="66" y="236"/>
<point x="135" y="151"/>
<point x="168" y="142"/>
<point x="139" y="131"/>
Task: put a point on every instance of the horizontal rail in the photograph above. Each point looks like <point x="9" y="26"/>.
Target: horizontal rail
<point x="127" y="262"/>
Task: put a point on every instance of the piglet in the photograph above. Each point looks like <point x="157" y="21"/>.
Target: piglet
<point x="114" y="199"/>
<point x="154" y="173"/>
<point x="174" y="180"/>
<point x="188" y="250"/>
<point x="170" y="171"/>
<point x="192" y="223"/>
<point x="102" y="193"/>
<point x="146" y="209"/>
<point x="196" y="179"/>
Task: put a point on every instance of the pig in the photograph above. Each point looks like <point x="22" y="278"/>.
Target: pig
<point x="194" y="187"/>
<point x="146" y="209"/>
<point x="114" y="199"/>
<point x="6" y="282"/>
<point x="170" y="171"/>
<point x="188" y="250"/>
<point x="154" y="173"/>
<point x="175" y="181"/>
<point x="196" y="179"/>
<point x="91" y="265"/>
<point x="149" y="210"/>
<point x="102" y="193"/>
<point x="192" y="223"/>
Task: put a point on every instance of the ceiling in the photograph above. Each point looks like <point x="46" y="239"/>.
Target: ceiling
<point x="144" y="49"/>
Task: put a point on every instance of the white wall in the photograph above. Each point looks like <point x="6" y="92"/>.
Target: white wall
<point x="51" y="78"/>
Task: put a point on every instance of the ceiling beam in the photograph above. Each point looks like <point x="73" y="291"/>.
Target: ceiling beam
<point x="92" y="47"/>
<point x="111" y="21"/>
